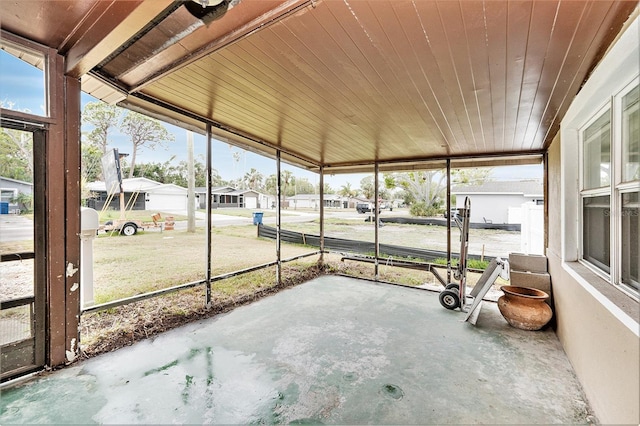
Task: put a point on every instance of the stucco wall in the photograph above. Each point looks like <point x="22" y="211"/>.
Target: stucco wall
<point x="600" y="340"/>
<point x="596" y="323"/>
<point x="493" y="207"/>
<point x="554" y="197"/>
<point x="601" y="346"/>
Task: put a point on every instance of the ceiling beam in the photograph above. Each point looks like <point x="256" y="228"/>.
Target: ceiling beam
<point x="107" y="27"/>
<point x="286" y="8"/>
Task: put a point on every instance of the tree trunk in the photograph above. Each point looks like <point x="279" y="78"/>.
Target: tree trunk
<point x="133" y="161"/>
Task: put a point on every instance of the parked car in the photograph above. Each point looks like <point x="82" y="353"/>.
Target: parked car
<point x="363" y="207"/>
<point x="454" y="213"/>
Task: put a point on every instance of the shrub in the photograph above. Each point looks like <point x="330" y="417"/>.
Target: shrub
<point x="421" y="209"/>
<point x="471" y="263"/>
<point x="24" y="202"/>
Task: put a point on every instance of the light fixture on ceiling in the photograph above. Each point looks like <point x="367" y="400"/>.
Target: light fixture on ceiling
<point x="206" y="3"/>
<point x="209" y="10"/>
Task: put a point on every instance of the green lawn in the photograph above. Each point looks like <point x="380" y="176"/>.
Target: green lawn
<point x="244" y="212"/>
<point x="143" y="215"/>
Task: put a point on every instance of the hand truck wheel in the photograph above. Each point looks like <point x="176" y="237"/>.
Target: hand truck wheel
<point x="449" y="299"/>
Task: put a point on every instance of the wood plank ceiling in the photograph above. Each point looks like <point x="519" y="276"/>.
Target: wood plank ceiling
<point x="345" y="83"/>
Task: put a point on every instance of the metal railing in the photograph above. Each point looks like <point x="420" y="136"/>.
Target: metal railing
<point x="168" y="290"/>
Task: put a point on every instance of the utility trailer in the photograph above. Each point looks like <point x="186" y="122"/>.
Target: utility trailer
<point x="130" y="227"/>
<point x="123" y="227"/>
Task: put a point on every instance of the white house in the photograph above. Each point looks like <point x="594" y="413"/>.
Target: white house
<point x="140" y="194"/>
<point x="166" y="197"/>
<point x="499" y="201"/>
<point x="228" y="196"/>
<point x="312" y="201"/>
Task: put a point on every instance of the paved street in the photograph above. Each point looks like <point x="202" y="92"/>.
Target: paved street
<point x="288" y="216"/>
<point x="20" y="228"/>
<point x="15" y="228"/>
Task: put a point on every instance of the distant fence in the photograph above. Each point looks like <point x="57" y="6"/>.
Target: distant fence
<point x="443" y="222"/>
<point x="351" y="246"/>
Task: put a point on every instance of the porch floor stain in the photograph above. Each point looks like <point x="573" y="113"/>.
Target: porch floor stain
<point x="334" y="350"/>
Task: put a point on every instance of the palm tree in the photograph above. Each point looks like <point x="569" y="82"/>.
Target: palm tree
<point x="347" y="191"/>
<point x="253" y="179"/>
<point x="236" y="160"/>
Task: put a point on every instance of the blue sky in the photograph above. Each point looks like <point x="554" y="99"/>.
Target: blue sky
<point x="23" y="85"/>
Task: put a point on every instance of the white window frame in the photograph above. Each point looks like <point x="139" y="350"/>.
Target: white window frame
<point x="618" y="187"/>
<point x="614" y="190"/>
<point x="604" y="108"/>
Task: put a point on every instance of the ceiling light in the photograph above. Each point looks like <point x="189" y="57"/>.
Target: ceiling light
<point x="208" y="10"/>
<point x="207" y="3"/>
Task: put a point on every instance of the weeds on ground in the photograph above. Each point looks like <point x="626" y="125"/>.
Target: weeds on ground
<point x="122" y="326"/>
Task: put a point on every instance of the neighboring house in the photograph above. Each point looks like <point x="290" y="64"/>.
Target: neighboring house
<point x="9" y="190"/>
<point x="312" y="201"/>
<point x="354" y="201"/>
<point x="227" y="196"/>
<point x="499" y="201"/>
<point x="140" y="194"/>
<point x="166" y="198"/>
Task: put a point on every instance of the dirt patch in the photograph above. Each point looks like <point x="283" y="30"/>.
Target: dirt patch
<point x="119" y="327"/>
<point x="489" y="242"/>
<point x="126" y="266"/>
<point x="17" y="279"/>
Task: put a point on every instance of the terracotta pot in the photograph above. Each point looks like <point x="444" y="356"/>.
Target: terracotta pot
<point x="524" y="307"/>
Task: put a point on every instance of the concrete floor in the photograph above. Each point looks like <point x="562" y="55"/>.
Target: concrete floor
<point x="333" y="350"/>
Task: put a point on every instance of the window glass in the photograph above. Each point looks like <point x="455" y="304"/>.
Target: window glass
<point x="596" y="219"/>
<point x="630" y="242"/>
<point x="23" y="82"/>
<point x="630" y="136"/>
<point x="597" y="155"/>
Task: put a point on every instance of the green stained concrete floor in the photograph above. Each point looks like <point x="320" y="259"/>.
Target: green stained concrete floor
<point x="333" y="350"/>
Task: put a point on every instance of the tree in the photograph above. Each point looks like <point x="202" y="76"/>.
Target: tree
<point x="424" y="186"/>
<point x="155" y="171"/>
<point x="428" y="187"/>
<point x="253" y="179"/>
<point x="270" y="184"/>
<point x="367" y="187"/>
<point x="16" y="154"/>
<point x="471" y="176"/>
<point x="286" y="179"/>
<point x="347" y="191"/>
<point x="144" y="132"/>
<point x="168" y="172"/>
<point x="24" y="202"/>
<point x="201" y="174"/>
<point x="303" y="186"/>
<point x="91" y="165"/>
<point x="102" y="117"/>
<point x="327" y="188"/>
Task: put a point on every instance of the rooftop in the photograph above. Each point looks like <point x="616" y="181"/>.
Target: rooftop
<point x="526" y="187"/>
